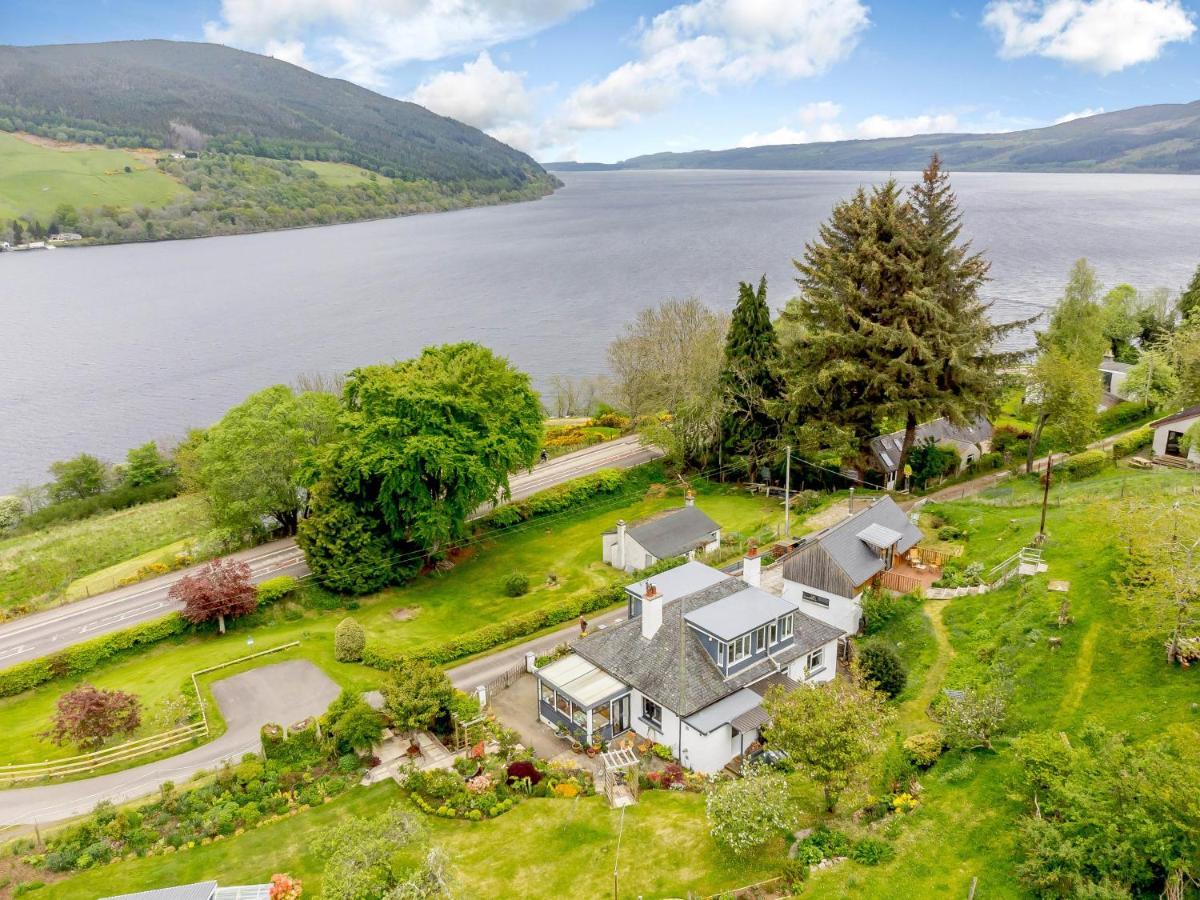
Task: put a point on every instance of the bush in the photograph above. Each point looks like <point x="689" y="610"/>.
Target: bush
<point x="924" y="749"/>
<point x="1120" y="416"/>
<point x="824" y="843"/>
<point x="83" y="658"/>
<point x="109" y="501"/>
<point x="879" y="608"/>
<point x="881" y="664"/>
<point x="1010" y="438"/>
<point x="516" y="585"/>
<point x="349" y="640"/>
<point x="565" y="496"/>
<point x="1133" y="442"/>
<point x="949" y="533"/>
<point x="275" y="589"/>
<point x="872" y="852"/>
<point x="1085" y="464"/>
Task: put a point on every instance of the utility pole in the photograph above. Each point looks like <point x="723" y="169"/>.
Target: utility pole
<point x="1046" y="496"/>
<point x="787" y="495"/>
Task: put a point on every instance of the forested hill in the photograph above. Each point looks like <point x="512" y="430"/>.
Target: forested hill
<point x="1161" y="138"/>
<point x="204" y="96"/>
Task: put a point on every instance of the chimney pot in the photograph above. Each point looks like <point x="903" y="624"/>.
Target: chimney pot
<point x="651" y="591"/>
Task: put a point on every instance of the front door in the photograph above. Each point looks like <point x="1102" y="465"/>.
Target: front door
<point x="1173" y="439"/>
<point x="620" y="715"/>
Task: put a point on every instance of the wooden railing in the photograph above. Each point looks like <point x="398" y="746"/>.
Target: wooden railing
<point x="894" y="581"/>
<point x="934" y="557"/>
<point x="90" y="762"/>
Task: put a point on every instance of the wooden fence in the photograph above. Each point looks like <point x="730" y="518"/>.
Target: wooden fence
<point x="934" y="557"/>
<point x="130" y="750"/>
<point x="903" y="584"/>
<point x="505" y="679"/>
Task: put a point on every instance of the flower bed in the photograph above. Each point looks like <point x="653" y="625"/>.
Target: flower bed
<point x="492" y="787"/>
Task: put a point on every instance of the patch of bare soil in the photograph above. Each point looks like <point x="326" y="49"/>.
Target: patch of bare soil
<point x="405" y="613"/>
<point x="14" y="872"/>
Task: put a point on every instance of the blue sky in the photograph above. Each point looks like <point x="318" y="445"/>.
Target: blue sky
<point x="608" y="79"/>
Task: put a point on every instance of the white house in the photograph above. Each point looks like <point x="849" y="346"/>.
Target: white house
<point x="690" y="667"/>
<point x="684" y="531"/>
<point x="826" y="575"/>
<point x="1112" y="380"/>
<point x="971" y="441"/>
<point x="1169" y="432"/>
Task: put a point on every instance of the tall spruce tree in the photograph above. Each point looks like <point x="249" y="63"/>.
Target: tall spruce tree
<point x="966" y="378"/>
<point x="864" y="320"/>
<point x="749" y="379"/>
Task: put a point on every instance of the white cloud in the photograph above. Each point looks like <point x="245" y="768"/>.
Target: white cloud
<point x="822" y="111"/>
<point x="783" y="135"/>
<point x="885" y="126"/>
<point x="480" y="94"/>
<point x="1104" y="35"/>
<point x="1082" y="114"/>
<point x="362" y="39"/>
<point x="710" y="44"/>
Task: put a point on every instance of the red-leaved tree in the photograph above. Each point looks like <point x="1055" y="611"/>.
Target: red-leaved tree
<point x="222" y="588"/>
<point x="87" y="716"/>
<point x="285" y="887"/>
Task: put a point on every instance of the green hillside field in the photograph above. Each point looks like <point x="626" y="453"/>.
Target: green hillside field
<point x="35" y="179"/>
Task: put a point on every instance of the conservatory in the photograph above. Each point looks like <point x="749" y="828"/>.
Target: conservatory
<point x="583" y="699"/>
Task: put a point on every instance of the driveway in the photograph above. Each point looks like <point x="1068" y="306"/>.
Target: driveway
<point x="283" y="693"/>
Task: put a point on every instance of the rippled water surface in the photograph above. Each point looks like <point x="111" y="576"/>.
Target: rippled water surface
<point x="103" y="348"/>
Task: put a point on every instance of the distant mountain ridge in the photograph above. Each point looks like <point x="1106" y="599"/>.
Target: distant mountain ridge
<point x="1163" y="138"/>
<point x="189" y="95"/>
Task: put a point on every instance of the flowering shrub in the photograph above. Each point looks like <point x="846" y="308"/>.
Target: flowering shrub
<point x="568" y="790"/>
<point x="905" y="802"/>
<point x="285" y="887"/>
<point x="480" y="783"/>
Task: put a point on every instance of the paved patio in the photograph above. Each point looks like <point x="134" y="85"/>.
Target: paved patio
<point x="516" y="707"/>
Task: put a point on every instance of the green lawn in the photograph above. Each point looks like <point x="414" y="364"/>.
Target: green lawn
<point x="544" y="848"/>
<point x="35" y="179"/>
<point x="341" y="174"/>
<point x="436" y="608"/>
<point x="38" y="567"/>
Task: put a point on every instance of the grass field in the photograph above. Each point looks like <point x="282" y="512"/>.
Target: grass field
<point x="964" y="830"/>
<point x="341" y="174"/>
<point x="36" y="178"/>
<point x="43" y="565"/>
<point x="437" y="607"/>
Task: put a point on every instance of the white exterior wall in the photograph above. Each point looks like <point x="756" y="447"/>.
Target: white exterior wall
<point x="1161" y="432"/>
<point x="827" y="673"/>
<point x="670" y="723"/>
<point x="843" y="612"/>
<point x="1118" y="384"/>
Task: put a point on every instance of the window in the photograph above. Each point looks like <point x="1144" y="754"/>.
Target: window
<point x="785" y="627"/>
<point x="760" y="638"/>
<point x="547" y="694"/>
<point x="720" y="654"/>
<point x="651" y="712"/>
<point x="600" y="717"/>
<point x="579" y="717"/>
<point x="773" y="633"/>
<point x="815" y="598"/>
<point x="739" y="649"/>
<point x="816" y="660"/>
<point x="562" y="704"/>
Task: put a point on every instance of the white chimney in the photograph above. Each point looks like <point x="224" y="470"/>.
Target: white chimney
<point x="619" y="556"/>
<point x="652" y="605"/>
<point x="690" y="498"/>
<point x="752" y="566"/>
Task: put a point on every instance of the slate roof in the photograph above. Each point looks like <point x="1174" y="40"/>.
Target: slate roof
<point x="1111" y="365"/>
<point x="1189" y="413"/>
<point x="652" y="666"/>
<point x="201" y="890"/>
<point x="675" y="532"/>
<point x="838" y="560"/>
<point x="886" y="447"/>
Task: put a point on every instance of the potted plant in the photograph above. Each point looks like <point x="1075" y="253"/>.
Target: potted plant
<point x="576" y="746"/>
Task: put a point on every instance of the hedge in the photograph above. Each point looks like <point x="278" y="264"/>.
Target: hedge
<point x="82" y="658"/>
<point x="1133" y="442"/>
<point x="1085" y="464"/>
<point x="497" y="633"/>
<point x="556" y="499"/>
<point x="1117" y="417"/>
<point x="275" y="589"/>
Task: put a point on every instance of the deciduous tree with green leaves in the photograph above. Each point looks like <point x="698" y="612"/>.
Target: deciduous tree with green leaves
<point x="83" y="476"/>
<point x="420" y="445"/>
<point x="145" y="465"/>
<point x="1152" y="380"/>
<point x="251" y="461"/>
<point x="1062" y="394"/>
<point x="1076" y="325"/>
<point x="745" y="813"/>
<point x="1189" y="300"/>
<point x="749" y="380"/>
<point x="415" y="694"/>
<point x="829" y="731"/>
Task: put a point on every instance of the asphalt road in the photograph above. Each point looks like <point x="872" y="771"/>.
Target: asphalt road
<point x="283" y="693"/>
<point x="43" y="633"/>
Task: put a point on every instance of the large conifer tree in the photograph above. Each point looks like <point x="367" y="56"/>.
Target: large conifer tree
<point x="749" y="379"/>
